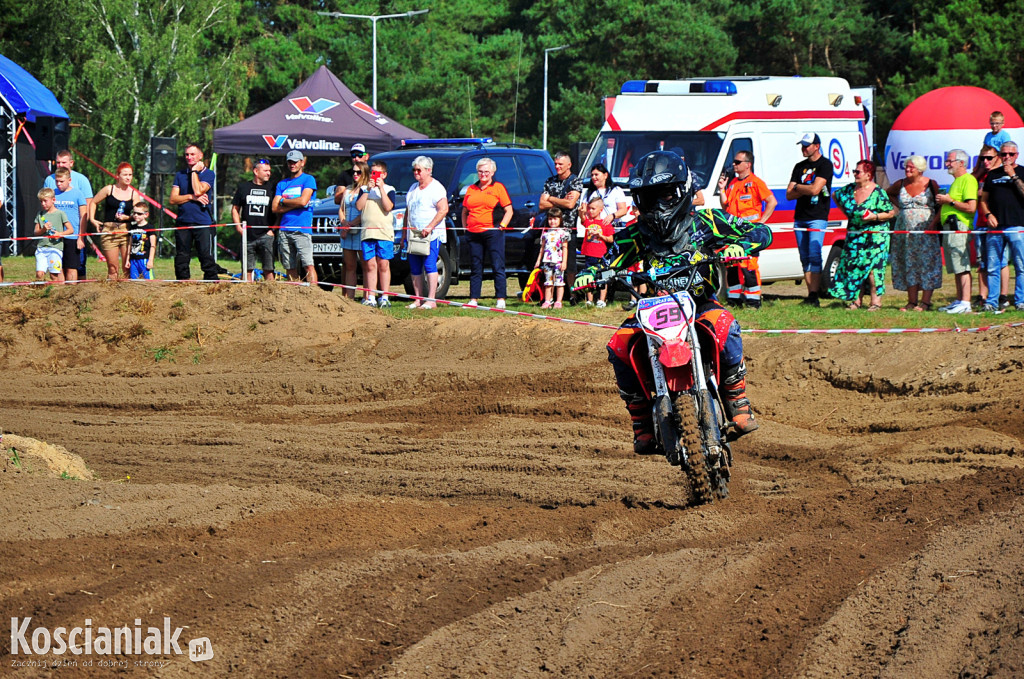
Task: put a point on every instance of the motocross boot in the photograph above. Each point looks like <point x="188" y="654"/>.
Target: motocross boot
<point x="644" y="440"/>
<point x="734" y="396"/>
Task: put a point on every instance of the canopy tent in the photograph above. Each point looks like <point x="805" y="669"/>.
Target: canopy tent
<point x="22" y="99"/>
<point x="321" y="117"/>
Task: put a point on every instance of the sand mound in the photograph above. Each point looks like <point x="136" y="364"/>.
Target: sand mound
<point x="28" y="455"/>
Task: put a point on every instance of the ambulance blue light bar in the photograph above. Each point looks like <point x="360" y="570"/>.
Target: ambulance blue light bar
<point x="634" y="87"/>
<point x="437" y="142"/>
<point x="720" y="87"/>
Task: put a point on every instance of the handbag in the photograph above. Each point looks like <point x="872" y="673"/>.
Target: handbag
<point x="419" y="246"/>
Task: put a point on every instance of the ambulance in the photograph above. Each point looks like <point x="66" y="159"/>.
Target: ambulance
<point x="707" y="120"/>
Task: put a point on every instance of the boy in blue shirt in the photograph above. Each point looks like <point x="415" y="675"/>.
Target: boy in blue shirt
<point x="998" y="136"/>
<point x="141" y="243"/>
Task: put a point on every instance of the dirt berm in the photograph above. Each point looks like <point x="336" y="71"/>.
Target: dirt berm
<point x="325" y="490"/>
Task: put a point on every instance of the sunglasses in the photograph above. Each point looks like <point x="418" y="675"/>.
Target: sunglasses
<point x="986" y="157"/>
<point x="357" y="174"/>
<point x="738" y="162"/>
<point x="1007" y="155"/>
<point x="140" y="214"/>
<point x="357" y="154"/>
<point x="263" y="161"/>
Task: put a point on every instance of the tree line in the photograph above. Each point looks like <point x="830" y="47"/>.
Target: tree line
<point x="126" y="70"/>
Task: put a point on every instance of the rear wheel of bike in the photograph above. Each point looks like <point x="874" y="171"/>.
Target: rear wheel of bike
<point x="690" y="438"/>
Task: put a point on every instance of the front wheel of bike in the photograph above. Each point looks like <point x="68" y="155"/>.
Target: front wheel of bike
<point x="690" y="438"/>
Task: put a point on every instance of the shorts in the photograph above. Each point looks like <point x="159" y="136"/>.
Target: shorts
<point x="137" y="269"/>
<point x="115" y="241"/>
<point x="262" y="246"/>
<point x="809" y="243"/>
<point x="381" y="249"/>
<point x="296" y="249"/>
<point x="71" y="253"/>
<point x="48" y="259"/>
<point x="956" y="252"/>
<point x="553" y="275"/>
<point x="425" y="263"/>
<point x="592" y="261"/>
<point x="354" y="239"/>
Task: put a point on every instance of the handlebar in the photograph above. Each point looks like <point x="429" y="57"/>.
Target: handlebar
<point x="607" y="276"/>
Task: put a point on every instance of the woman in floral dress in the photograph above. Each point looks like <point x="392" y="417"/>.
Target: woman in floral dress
<point x="866" y="252"/>
<point x="916" y="258"/>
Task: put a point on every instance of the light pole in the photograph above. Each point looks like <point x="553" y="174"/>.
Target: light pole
<point x="375" y="18"/>
<point x="544" y="144"/>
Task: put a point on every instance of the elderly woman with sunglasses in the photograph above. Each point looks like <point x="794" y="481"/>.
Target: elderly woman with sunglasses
<point x="866" y="252"/>
<point x="1002" y="200"/>
<point x="988" y="160"/>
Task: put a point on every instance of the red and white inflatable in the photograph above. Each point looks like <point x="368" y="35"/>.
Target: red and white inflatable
<point x="944" y="119"/>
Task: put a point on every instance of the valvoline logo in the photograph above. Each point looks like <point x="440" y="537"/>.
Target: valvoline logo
<point x="305" y="105"/>
<point x="363" y="107"/>
<point x="311" y="110"/>
<point x="275" y="141"/>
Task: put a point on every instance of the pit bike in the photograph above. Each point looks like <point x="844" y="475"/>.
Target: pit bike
<point x="678" y="367"/>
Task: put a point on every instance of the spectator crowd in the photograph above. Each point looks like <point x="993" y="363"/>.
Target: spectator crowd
<point x="981" y="216"/>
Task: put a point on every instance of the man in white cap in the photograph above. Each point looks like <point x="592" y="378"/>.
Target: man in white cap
<point x="811" y="187"/>
<point x="359" y="154"/>
<point x="292" y="200"/>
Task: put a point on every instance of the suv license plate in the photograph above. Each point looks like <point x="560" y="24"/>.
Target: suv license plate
<point x="321" y="247"/>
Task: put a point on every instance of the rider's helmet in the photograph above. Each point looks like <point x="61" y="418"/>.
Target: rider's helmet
<point x="662" y="188"/>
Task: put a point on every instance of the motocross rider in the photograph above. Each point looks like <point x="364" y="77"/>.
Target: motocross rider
<point x="665" y="234"/>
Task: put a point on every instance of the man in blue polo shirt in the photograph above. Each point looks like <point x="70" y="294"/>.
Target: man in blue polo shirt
<point x="292" y="200"/>
<point x="191" y="195"/>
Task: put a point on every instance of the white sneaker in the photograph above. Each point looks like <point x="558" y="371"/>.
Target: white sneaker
<point x="961" y="307"/>
<point x="500" y="304"/>
<point x="949" y="306"/>
<point x="601" y="304"/>
<point x="369" y="301"/>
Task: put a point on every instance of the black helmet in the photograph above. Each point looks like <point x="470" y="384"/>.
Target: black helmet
<point x="662" y="189"/>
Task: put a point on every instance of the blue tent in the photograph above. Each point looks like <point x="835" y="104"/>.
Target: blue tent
<point x="25" y="94"/>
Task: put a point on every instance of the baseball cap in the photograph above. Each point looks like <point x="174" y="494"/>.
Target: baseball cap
<point x="294" y="155"/>
<point x="358" y="148"/>
<point x="809" y="138"/>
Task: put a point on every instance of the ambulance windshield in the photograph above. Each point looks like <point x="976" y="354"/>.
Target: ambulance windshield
<point x="619" y="151"/>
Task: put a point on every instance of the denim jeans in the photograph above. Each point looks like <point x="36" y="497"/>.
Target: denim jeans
<point x="493" y="241"/>
<point x="809" y="243"/>
<point x="994" y="245"/>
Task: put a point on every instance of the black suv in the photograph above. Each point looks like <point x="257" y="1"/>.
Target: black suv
<point x="521" y="169"/>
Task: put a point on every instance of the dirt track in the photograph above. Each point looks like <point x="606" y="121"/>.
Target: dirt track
<point x="324" y="490"/>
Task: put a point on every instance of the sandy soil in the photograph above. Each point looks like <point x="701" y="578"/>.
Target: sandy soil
<point x="325" y="490"/>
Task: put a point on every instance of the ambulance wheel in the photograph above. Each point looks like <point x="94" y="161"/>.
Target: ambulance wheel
<point x="444" y="275"/>
<point x="828" y="272"/>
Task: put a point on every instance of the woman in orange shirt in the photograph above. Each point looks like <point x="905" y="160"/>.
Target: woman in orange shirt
<point x="478" y="218"/>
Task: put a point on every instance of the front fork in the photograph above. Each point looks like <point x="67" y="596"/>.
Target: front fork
<point x="666" y="420"/>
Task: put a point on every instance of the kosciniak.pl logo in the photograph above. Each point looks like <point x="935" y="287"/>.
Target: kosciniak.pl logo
<point x="311" y="110"/>
<point x="103" y="641"/>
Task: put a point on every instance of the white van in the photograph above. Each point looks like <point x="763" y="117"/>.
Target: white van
<point x="708" y="120"/>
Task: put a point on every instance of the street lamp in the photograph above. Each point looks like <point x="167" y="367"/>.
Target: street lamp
<point x="544" y="145"/>
<point x="375" y="18"/>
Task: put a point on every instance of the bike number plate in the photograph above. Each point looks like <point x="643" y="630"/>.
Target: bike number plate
<point x="663" y="317"/>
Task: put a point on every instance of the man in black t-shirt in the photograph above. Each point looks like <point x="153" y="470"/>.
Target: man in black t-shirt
<point x="1002" y="199"/>
<point x="250" y="211"/>
<point x="811" y="187"/>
